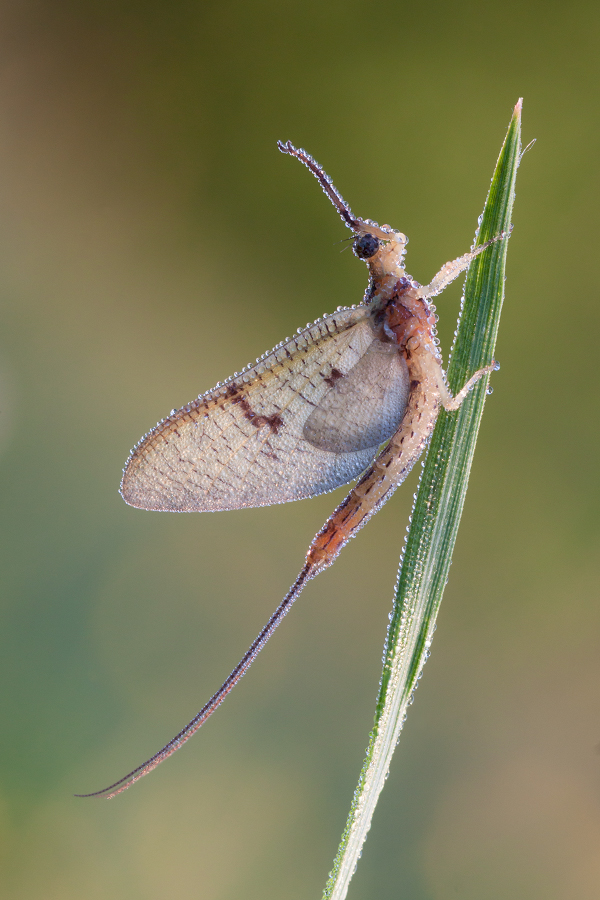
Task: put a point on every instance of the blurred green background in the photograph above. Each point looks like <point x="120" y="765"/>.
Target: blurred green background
<point x="152" y="242"/>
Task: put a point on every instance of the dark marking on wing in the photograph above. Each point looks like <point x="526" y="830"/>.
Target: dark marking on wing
<point x="275" y="422"/>
<point x="232" y="390"/>
<point x="333" y="376"/>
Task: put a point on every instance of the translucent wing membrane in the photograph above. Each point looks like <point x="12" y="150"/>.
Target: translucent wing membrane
<point x="364" y="409"/>
<point x="305" y="419"/>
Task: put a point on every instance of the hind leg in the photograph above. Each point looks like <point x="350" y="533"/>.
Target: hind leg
<point x="451" y="403"/>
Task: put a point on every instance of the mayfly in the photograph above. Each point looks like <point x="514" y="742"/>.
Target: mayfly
<point x="309" y="416"/>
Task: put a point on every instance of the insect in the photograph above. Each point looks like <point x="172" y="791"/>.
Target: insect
<point x="309" y="416"/>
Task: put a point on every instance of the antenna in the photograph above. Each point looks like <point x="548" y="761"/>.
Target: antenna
<point x="326" y="183"/>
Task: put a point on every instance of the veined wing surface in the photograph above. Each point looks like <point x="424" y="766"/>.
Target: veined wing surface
<point x="308" y="417"/>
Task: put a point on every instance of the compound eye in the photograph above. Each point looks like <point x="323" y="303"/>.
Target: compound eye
<point x="366" y="246"/>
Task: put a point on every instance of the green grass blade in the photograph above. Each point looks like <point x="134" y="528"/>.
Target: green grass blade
<point x="437" y="511"/>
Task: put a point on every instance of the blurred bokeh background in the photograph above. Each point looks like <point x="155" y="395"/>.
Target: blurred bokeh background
<point x="153" y="241"/>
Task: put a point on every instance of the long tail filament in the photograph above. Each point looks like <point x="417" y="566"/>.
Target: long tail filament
<point x="215" y="701"/>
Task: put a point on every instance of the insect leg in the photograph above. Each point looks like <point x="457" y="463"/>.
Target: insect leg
<point x="451" y="403"/>
<point x="452" y="269"/>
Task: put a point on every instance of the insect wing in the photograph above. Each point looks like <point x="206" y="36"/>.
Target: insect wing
<point x="305" y="419"/>
<point x="365" y="407"/>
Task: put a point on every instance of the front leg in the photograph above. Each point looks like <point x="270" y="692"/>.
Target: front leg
<point x="452" y="269"/>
